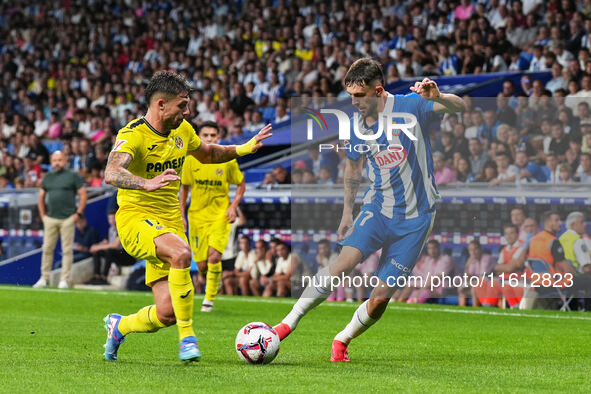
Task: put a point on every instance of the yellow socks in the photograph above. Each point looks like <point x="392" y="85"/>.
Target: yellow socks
<point x="181" y="294"/>
<point x="212" y="280"/>
<point x="145" y="320"/>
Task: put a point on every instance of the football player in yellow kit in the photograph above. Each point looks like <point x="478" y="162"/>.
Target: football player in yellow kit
<point x="210" y="213"/>
<point x="145" y="164"/>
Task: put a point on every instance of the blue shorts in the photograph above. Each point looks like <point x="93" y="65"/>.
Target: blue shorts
<point x="400" y="239"/>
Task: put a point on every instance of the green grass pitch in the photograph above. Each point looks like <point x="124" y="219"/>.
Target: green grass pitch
<point x="52" y="341"/>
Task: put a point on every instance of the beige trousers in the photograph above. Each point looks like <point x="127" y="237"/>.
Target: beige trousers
<point x="52" y="229"/>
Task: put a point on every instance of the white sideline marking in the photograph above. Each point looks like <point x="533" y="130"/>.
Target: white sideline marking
<point x="285" y="301"/>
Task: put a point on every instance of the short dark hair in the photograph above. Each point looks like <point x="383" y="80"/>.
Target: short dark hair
<point x="208" y="123"/>
<point x="547" y="215"/>
<point x="324" y="241"/>
<point x="510" y="225"/>
<point x="167" y="82"/>
<point x="434" y="242"/>
<point x="363" y="72"/>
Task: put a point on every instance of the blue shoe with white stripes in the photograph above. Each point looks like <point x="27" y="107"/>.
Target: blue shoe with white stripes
<point x="189" y="349"/>
<point x="114" y="336"/>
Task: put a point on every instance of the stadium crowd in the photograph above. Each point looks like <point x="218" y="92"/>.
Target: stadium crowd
<point x="74" y="72"/>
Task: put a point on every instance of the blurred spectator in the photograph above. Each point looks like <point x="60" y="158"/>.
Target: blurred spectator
<point x="280" y="282"/>
<point x="488" y="173"/>
<point x="557" y="81"/>
<point x="297" y="176"/>
<point x="325" y="255"/>
<point x="281" y="175"/>
<point x="245" y="269"/>
<point x="264" y="264"/>
<point x="84" y="237"/>
<point x="584" y="170"/>
<point x="464" y="171"/>
<point x="576" y="247"/>
<point x="430" y="265"/>
<point x="108" y="255"/>
<point x="509" y="265"/>
<point x="443" y="174"/>
<point x="565" y="174"/>
<point x="507" y="172"/>
<point x="528" y="171"/>
<point x="309" y="178"/>
<point x="324" y="177"/>
<point x="550" y="169"/>
<point x="518" y="219"/>
<point x="478" y="157"/>
<point x="447" y="147"/>
<point x="530" y="228"/>
<point x="505" y="114"/>
<point x="477" y="265"/>
<point x="96" y="177"/>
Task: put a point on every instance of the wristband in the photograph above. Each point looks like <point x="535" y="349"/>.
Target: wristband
<point x="247" y="148"/>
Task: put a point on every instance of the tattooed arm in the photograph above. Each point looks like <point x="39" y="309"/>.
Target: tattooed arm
<point x="118" y="175"/>
<point x="213" y="153"/>
<point x="352" y="177"/>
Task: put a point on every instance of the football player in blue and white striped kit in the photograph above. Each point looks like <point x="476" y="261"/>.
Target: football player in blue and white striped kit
<point x="399" y="205"/>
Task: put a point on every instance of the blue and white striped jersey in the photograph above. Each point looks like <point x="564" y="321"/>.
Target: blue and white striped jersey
<point x="402" y="177"/>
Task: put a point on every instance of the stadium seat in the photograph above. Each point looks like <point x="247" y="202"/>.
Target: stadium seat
<point x="269" y="114"/>
<point x="537" y="266"/>
<point x="53" y="145"/>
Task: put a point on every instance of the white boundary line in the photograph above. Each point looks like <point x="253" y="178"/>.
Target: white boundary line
<point x="284" y="301"/>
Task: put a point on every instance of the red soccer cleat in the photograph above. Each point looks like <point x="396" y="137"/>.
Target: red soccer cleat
<point x="283" y="330"/>
<point x="339" y="353"/>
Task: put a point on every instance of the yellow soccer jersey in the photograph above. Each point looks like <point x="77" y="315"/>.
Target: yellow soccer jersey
<point x="152" y="153"/>
<point x="210" y="185"/>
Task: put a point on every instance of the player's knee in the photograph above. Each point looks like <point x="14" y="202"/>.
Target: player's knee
<point x="181" y="258"/>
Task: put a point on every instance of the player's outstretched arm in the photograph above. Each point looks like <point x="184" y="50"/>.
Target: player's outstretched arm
<point x="443" y="102"/>
<point x="213" y="153"/>
<point x="352" y="179"/>
<point x="117" y="174"/>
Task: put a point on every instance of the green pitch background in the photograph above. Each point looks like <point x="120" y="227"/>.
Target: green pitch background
<point x="52" y="341"/>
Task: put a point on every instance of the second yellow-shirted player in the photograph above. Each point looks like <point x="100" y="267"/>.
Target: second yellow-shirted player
<point x="210" y="214"/>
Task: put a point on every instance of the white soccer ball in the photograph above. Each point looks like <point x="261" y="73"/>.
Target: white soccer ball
<point x="257" y="343"/>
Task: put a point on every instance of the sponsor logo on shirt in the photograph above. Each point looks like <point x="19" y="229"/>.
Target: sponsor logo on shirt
<point x="118" y="145"/>
<point x="161" y="166"/>
<point x="388" y="159"/>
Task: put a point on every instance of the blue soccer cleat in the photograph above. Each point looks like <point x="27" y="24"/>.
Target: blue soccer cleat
<point x="114" y="336"/>
<point x="189" y="349"/>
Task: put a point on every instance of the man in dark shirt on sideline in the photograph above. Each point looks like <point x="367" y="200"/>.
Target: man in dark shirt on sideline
<point x="85" y="237"/>
<point x="59" y="215"/>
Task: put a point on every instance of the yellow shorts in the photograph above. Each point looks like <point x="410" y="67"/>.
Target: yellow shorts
<point x="137" y="231"/>
<point x="204" y="235"/>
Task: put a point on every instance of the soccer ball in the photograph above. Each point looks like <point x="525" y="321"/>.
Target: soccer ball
<point x="257" y="343"/>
